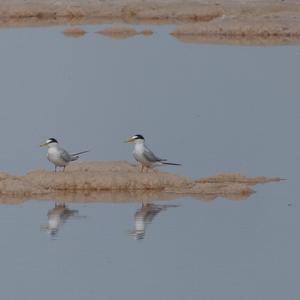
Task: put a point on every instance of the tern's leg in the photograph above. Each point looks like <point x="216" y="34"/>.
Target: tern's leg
<point x="55" y="168"/>
<point x="64" y="168"/>
<point x="150" y="169"/>
<point x="142" y="167"/>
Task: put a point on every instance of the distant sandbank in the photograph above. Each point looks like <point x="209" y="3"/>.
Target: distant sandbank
<point x="247" y="21"/>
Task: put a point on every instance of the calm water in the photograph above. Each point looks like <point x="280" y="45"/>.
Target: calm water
<point x="212" y="108"/>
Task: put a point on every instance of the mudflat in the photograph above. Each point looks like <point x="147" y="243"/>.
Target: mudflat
<point x="231" y="21"/>
<point x="116" y="181"/>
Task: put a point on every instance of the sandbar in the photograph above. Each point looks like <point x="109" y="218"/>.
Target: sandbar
<point x="119" y="181"/>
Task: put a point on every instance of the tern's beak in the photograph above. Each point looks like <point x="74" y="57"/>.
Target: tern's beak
<point x="129" y="140"/>
<point x="43" y="145"/>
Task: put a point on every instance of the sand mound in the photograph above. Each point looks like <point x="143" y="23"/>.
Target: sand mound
<point x="74" y="32"/>
<point x="119" y="181"/>
<point x="123" y="32"/>
<point x="101" y="176"/>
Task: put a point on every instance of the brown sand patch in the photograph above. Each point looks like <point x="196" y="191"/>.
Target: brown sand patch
<point x="238" y="40"/>
<point x="267" y="29"/>
<point x="122" y="31"/>
<point x="238" y="178"/>
<point x="146" y="32"/>
<point x="32" y="11"/>
<point x="74" y="32"/>
<point x="226" y="21"/>
<point x="119" y="181"/>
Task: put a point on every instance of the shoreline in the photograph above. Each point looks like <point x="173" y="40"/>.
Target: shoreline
<point x="197" y="21"/>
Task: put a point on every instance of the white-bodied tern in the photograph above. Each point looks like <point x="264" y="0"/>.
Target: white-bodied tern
<point x="144" y="155"/>
<point x="59" y="156"/>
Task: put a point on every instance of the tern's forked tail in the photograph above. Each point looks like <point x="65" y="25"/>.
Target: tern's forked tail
<point x="75" y="156"/>
<point x="82" y="152"/>
<point x="170" y="164"/>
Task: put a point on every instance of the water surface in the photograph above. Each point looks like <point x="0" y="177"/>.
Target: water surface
<point x="211" y="108"/>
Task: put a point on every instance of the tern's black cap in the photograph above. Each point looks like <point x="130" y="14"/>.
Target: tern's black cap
<point x="52" y="140"/>
<point x="138" y="137"/>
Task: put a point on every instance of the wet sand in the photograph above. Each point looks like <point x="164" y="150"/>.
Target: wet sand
<point x="248" y="30"/>
<point x="121" y="31"/>
<point x="74" y="32"/>
<point x="119" y="181"/>
<point x="248" y="21"/>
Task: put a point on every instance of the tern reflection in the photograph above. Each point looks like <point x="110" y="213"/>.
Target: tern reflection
<point x="57" y="217"/>
<point x="144" y="216"/>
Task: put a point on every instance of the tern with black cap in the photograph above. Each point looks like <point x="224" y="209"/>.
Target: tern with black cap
<point x="144" y="155"/>
<point x="59" y="156"/>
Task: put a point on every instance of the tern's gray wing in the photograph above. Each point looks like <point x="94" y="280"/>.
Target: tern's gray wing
<point x="150" y="156"/>
<point x="65" y="155"/>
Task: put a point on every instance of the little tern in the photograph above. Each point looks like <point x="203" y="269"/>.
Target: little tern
<point x="59" y="156"/>
<point x="144" y="155"/>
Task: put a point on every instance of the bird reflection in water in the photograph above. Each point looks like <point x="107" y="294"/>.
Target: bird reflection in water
<point x="144" y="216"/>
<point x="57" y="217"/>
